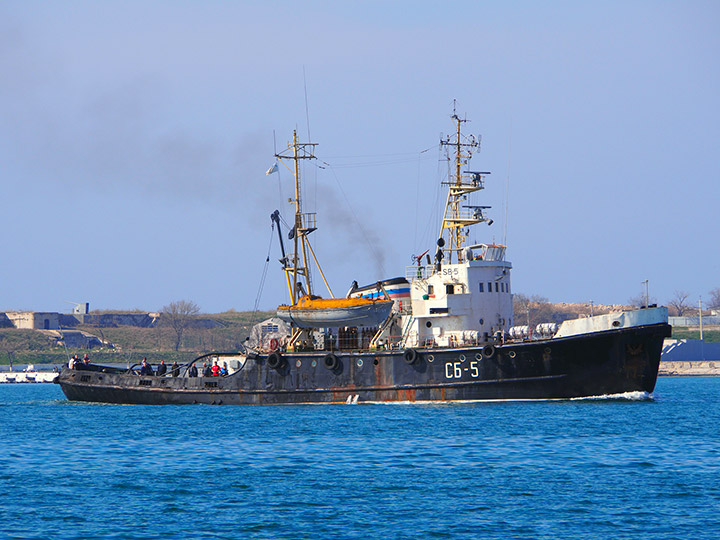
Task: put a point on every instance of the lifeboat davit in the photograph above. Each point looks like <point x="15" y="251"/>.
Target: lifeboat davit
<point x="315" y="312"/>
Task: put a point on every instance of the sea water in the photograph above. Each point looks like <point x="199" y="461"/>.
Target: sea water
<point x="632" y="467"/>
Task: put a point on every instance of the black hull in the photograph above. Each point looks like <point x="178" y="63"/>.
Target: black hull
<point x="601" y="363"/>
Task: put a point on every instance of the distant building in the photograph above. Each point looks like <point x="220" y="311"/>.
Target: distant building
<point x="42" y="320"/>
<point x="81" y="309"/>
<point x="107" y="320"/>
<point x="694" y="320"/>
<point x="34" y="320"/>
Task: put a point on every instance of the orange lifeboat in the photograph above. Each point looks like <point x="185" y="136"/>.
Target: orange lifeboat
<point x="315" y="312"/>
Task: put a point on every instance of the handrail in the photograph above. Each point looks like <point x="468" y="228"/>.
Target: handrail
<point x="415" y="272"/>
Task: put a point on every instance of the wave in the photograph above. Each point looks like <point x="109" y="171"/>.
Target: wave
<point x="624" y="396"/>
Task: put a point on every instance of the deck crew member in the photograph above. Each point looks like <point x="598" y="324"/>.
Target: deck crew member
<point x="207" y="370"/>
<point x="162" y="369"/>
<point x="146" y="368"/>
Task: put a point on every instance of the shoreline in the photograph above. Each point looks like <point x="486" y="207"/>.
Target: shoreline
<point x="685" y="368"/>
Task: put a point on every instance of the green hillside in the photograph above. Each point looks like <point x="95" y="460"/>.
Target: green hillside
<point x="131" y="343"/>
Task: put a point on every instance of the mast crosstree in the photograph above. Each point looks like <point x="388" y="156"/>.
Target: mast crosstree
<point x="297" y="268"/>
<point x="458" y="217"/>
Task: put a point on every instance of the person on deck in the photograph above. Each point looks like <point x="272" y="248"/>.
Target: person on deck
<point x="224" y="370"/>
<point x="146" y="369"/>
<point x="162" y="369"/>
<point x="215" y="369"/>
<point x="175" y="369"/>
<point x="207" y="370"/>
<point x="193" y="371"/>
<point x="86" y="360"/>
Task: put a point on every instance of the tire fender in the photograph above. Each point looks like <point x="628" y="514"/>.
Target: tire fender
<point x="331" y="361"/>
<point x="410" y="356"/>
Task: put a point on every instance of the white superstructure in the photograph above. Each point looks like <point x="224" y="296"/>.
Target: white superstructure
<point x="460" y="304"/>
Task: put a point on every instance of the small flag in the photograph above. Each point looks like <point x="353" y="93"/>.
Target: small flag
<point x="272" y="169"/>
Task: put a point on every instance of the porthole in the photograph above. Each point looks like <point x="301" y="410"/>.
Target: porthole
<point x="314" y="363"/>
<point x="430" y="358"/>
<point x="375" y="362"/>
<point x="298" y="363"/>
<point x="478" y="356"/>
<point x="462" y="357"/>
<point x="547" y="350"/>
<point x="482" y="321"/>
<point x="359" y="362"/>
<point x="428" y="324"/>
<point x="616" y="323"/>
<point x="511" y="354"/>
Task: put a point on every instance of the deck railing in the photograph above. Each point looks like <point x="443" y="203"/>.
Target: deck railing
<point x="418" y="272"/>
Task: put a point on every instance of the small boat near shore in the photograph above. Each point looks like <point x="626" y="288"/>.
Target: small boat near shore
<point x="445" y="332"/>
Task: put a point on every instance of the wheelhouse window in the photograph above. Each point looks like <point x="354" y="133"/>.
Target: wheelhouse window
<point x="431" y="289"/>
<point x="450" y="289"/>
<point x="481" y="286"/>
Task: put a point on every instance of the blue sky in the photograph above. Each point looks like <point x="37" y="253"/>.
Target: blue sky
<point x="134" y="138"/>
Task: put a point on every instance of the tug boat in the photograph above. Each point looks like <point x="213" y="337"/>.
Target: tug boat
<point x="444" y="332"/>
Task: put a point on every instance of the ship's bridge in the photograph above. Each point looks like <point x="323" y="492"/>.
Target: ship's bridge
<point x="476" y="252"/>
<point x="485" y="252"/>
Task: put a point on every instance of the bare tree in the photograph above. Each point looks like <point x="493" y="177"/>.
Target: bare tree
<point x="531" y="310"/>
<point x="9" y="346"/>
<point x="521" y="309"/>
<point x="179" y="315"/>
<point x="714" y="300"/>
<point x="679" y="303"/>
<point x="640" y="300"/>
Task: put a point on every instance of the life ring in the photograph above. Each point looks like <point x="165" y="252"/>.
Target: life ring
<point x="274" y="344"/>
<point x="488" y="351"/>
<point x="275" y="360"/>
<point x="331" y="361"/>
<point x="410" y="356"/>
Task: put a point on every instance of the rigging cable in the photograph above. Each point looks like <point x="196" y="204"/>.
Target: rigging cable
<point x="435" y="218"/>
<point x="507" y="188"/>
<point x="262" y="279"/>
<point x="277" y="170"/>
<point x="417" y="195"/>
<point x="307" y="113"/>
<point x="378" y="163"/>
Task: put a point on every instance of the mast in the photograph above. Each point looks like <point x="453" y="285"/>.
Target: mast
<point x="458" y="217"/>
<point x="297" y="268"/>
